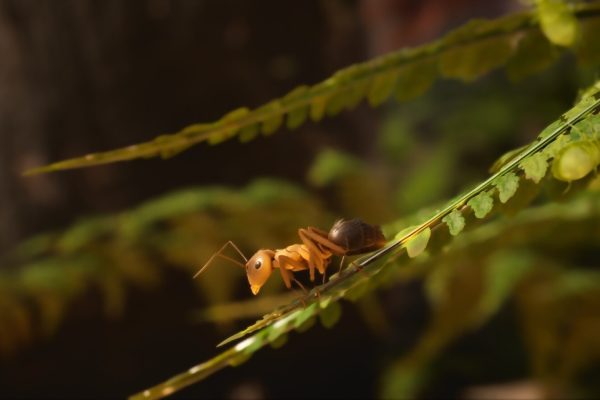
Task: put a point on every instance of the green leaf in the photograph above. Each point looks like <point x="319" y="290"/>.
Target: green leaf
<point x="557" y="22"/>
<point x="297" y="115"/>
<point x="318" y="105"/>
<point x="470" y="61"/>
<point x="358" y="290"/>
<point x="279" y="342"/>
<point x="306" y="325"/>
<point x="551" y="128"/>
<point x="277" y="330"/>
<point x="507" y="186"/>
<point x="576" y="160"/>
<point x="467" y="53"/>
<point x="506" y="158"/>
<point x="557" y="145"/>
<point x="230" y="117"/>
<point x="382" y="87"/>
<point x="239" y="359"/>
<point x="303" y="316"/>
<point x="252" y="344"/>
<point x="415" y="79"/>
<point x="330" y="315"/>
<point x="535" y="166"/>
<point x="482" y="204"/>
<point x="336" y="104"/>
<point x="588" y="127"/>
<point x="578" y="108"/>
<point x="356" y="93"/>
<point x="455" y="222"/>
<point x="271" y="124"/>
<point x="417" y="244"/>
<point x="248" y="133"/>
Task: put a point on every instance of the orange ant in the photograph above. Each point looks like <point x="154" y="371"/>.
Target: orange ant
<point x="346" y="237"/>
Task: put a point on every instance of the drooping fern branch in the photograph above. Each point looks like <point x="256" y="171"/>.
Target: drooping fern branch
<point x="578" y="125"/>
<point x="466" y="53"/>
<point x="42" y="279"/>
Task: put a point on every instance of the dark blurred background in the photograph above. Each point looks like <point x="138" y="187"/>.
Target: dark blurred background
<point x="81" y="76"/>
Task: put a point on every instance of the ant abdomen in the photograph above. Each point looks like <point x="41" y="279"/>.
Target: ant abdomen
<point x="356" y="236"/>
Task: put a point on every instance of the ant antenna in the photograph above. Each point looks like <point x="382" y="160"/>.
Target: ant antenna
<point x="218" y="254"/>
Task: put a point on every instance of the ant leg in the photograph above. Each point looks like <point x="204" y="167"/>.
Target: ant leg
<point x="321" y="237"/>
<point x="341" y="264"/>
<point x="284" y="261"/>
<point x="285" y="274"/>
<point x="218" y="254"/>
<point x="317" y="255"/>
<point x="304" y="291"/>
<point x="301" y="286"/>
<point x="359" y="268"/>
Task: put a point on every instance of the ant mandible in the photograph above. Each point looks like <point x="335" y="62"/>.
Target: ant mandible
<point x="346" y="237"/>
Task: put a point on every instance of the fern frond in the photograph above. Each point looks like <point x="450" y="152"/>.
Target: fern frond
<point x="364" y="274"/>
<point x="466" y="53"/>
<point x="49" y="273"/>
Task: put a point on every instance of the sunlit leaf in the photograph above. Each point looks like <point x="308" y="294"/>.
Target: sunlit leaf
<point x="382" y="87"/>
<point x="535" y="166"/>
<point x="416" y="245"/>
<point x="471" y="61"/>
<point x="330" y="315"/>
<point x="455" y="222"/>
<point x="507" y="186"/>
<point x="415" y="79"/>
<point x="248" y="133"/>
<point x="576" y="160"/>
<point x="482" y="204"/>
<point x="557" y="21"/>
<point x="297" y="115"/>
<point x="229" y="132"/>
<point x="271" y="124"/>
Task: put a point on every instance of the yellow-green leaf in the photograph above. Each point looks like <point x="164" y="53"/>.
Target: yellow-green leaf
<point x="248" y="133"/>
<point x="576" y="160"/>
<point x="272" y="123"/>
<point x="482" y="204"/>
<point x="317" y="108"/>
<point x="507" y="186"/>
<point x="330" y="315"/>
<point x="455" y="222"/>
<point x="382" y="87"/>
<point x="298" y="112"/>
<point x="470" y="61"/>
<point x="416" y="78"/>
<point x="416" y="245"/>
<point x="557" y="22"/>
<point x="535" y="166"/>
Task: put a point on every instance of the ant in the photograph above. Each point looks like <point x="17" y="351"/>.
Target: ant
<point x="346" y="237"/>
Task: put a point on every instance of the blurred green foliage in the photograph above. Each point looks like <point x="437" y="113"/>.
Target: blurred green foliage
<point x="44" y="276"/>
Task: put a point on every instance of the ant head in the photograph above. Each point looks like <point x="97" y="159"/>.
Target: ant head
<point x="259" y="268"/>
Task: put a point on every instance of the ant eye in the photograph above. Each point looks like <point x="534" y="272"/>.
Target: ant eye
<point x="258" y="264"/>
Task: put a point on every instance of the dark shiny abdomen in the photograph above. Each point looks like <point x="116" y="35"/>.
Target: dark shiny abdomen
<point x="356" y="236"/>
